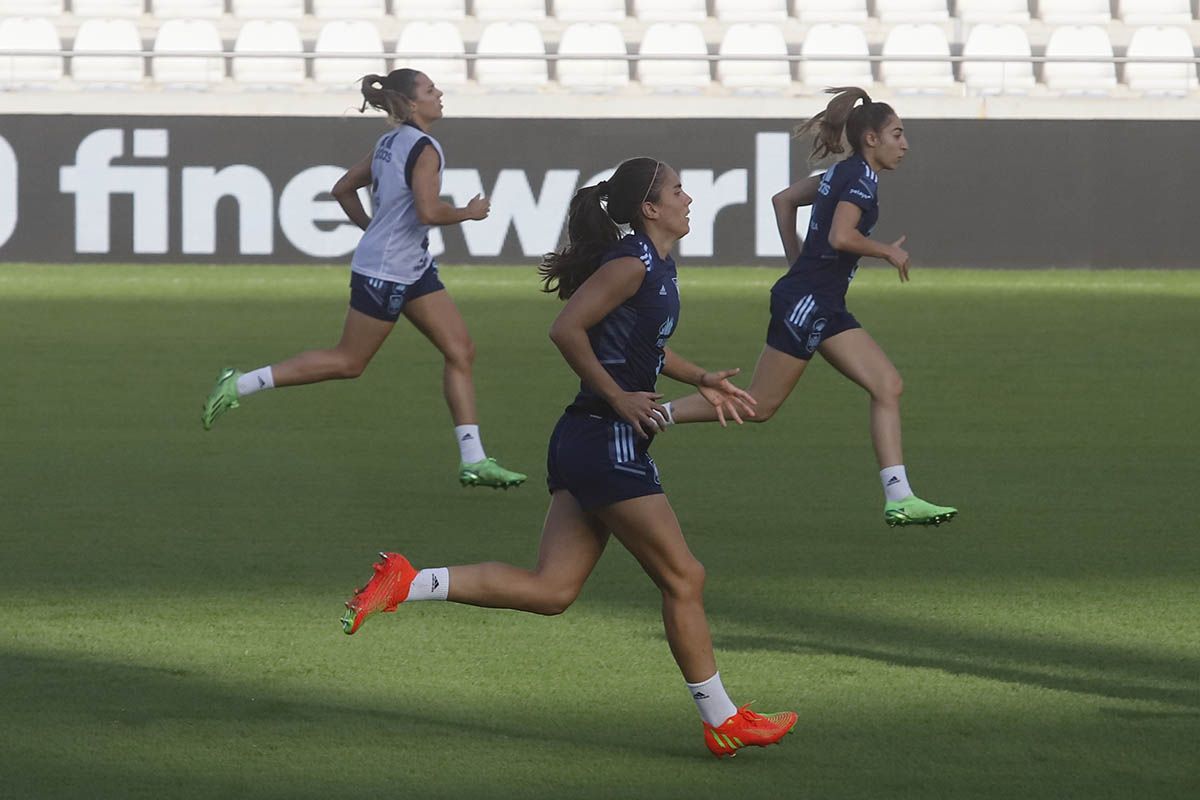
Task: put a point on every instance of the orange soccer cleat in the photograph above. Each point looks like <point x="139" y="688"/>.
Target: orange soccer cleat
<point x="387" y="589"/>
<point x="746" y="728"/>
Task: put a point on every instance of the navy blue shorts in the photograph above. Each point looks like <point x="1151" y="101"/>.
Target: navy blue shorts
<point x="599" y="460"/>
<point x="384" y="300"/>
<point x="800" y="322"/>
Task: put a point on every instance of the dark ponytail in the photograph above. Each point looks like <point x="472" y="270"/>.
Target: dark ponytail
<point x="393" y="93"/>
<point x="844" y="121"/>
<point x="593" y="219"/>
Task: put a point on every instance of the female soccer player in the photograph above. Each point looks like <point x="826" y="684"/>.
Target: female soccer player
<point x="808" y="304"/>
<point x="622" y="306"/>
<point x="392" y="272"/>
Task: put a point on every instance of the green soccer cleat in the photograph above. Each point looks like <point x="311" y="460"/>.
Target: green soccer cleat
<point x="223" y="397"/>
<point x="488" y="473"/>
<point x="912" y="510"/>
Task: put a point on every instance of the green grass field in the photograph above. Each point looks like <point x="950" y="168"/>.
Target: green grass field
<point x="169" y="598"/>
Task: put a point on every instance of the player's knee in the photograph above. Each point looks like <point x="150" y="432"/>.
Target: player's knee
<point x="687" y="582"/>
<point x="556" y="600"/>
<point x="461" y="354"/>
<point x="891" y="387"/>
<point x="350" y="365"/>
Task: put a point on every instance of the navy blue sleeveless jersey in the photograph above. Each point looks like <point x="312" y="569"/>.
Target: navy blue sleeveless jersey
<point x="629" y="341"/>
<point x="821" y="269"/>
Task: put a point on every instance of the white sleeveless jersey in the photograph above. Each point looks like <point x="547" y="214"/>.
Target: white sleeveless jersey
<point x="395" y="245"/>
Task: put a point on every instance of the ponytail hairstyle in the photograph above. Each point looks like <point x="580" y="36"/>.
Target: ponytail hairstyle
<point x="843" y="121"/>
<point x="593" y="221"/>
<point x="393" y="94"/>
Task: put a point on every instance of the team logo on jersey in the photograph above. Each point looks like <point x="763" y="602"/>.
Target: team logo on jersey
<point x="818" y="330"/>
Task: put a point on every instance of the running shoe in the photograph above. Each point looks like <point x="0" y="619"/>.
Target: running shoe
<point x="912" y="510"/>
<point x="386" y="590"/>
<point x="223" y="397"/>
<point x="488" y="473"/>
<point x="745" y="729"/>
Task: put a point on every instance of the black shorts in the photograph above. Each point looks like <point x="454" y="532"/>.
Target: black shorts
<point x="801" y="321"/>
<point x="599" y="460"/>
<point x="383" y="299"/>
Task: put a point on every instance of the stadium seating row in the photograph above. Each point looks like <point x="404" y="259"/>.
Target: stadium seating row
<point x="1054" y="12"/>
<point x="672" y="56"/>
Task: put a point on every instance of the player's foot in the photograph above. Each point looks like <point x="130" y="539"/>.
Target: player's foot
<point x="745" y="729"/>
<point x="488" y="473"/>
<point x="387" y="589"/>
<point x="912" y="510"/>
<point x="223" y="397"/>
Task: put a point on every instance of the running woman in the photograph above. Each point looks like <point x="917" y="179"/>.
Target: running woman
<point x="392" y="272"/>
<point x="622" y="306"/>
<point x="808" y="304"/>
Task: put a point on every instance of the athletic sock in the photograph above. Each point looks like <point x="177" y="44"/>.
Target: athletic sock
<point x="470" y="446"/>
<point x="255" y="381"/>
<point x="430" y="584"/>
<point x="713" y="703"/>
<point x="895" y="483"/>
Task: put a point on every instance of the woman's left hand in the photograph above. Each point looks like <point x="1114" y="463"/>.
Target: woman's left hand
<point x="725" y="397"/>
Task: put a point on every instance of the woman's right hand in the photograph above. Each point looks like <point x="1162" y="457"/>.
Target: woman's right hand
<point x="478" y="207"/>
<point x="641" y="410"/>
<point x="899" y="258"/>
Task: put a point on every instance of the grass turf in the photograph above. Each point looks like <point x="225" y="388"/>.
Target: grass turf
<point x="169" y="598"/>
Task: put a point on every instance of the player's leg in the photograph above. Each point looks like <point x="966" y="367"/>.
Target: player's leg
<point x="648" y="528"/>
<point x="362" y="336"/>
<point x="855" y="354"/>
<point x="572" y="542"/>
<point x="437" y="317"/>
<point x="775" y="376"/>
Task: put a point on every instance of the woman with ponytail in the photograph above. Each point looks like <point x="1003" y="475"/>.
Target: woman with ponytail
<point x="808" y="304"/>
<point x="393" y="272"/>
<point x="622" y="306"/>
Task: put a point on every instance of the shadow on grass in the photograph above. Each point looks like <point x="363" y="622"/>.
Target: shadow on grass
<point x="91" y="728"/>
<point x="1100" y="670"/>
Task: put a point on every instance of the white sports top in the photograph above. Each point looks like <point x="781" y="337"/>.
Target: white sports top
<point x="395" y="245"/>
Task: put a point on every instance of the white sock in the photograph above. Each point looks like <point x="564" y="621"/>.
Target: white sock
<point x="712" y="701"/>
<point x="670" y="414"/>
<point x="430" y="584"/>
<point x="895" y="482"/>
<point x="255" y="381"/>
<point x="469" y="443"/>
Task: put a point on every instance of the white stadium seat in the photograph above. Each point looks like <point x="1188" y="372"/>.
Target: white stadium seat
<point x="751" y="10"/>
<point x="1161" y="78"/>
<point x="192" y="35"/>
<point x="891" y="12"/>
<point x="511" y="38"/>
<point x="1156" y="12"/>
<point x="589" y="10"/>
<point x="30" y="8"/>
<point x="99" y="35"/>
<point x="508" y="10"/>
<point x="996" y="12"/>
<point x="1074" y="12"/>
<point x="429" y="10"/>
<point x="348" y="36"/>
<point x="810" y="11"/>
<point x="109" y="9"/>
<point x="419" y="42"/>
<point x="754" y="39"/>
<point x="827" y="39"/>
<point x="1080" y="77"/>
<point x="591" y="75"/>
<point x="273" y="36"/>
<point x="917" y="40"/>
<point x="671" y="10"/>
<point x="676" y="39"/>
<point x="187" y="9"/>
<point x="348" y="9"/>
<point x="998" y="77"/>
<point x="29" y="33"/>
<point x="268" y="9"/>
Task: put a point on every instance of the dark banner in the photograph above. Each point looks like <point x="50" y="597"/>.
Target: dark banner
<point x="974" y="193"/>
